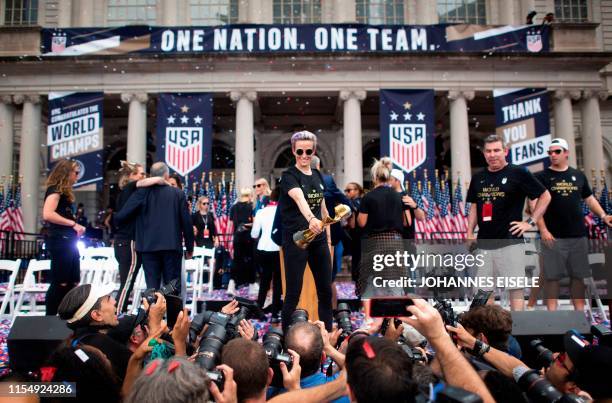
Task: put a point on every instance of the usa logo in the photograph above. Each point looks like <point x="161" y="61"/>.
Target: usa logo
<point x="408" y="145"/>
<point x="58" y="43"/>
<point x="534" y="42"/>
<point x="184" y="148"/>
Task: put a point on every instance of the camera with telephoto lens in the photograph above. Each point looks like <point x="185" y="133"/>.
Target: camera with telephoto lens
<point x="172" y="288"/>
<point x="343" y="318"/>
<point x="539" y="390"/>
<point x="445" y="308"/>
<point x="211" y="343"/>
<point x="273" y="346"/>
<point x="544" y="356"/>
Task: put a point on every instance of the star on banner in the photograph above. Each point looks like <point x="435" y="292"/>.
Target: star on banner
<point x="407" y="116"/>
<point x="407" y="105"/>
<point x="184" y="119"/>
<point x="420" y="116"/>
<point x="184" y="109"/>
<point x="393" y="115"/>
<point x="197" y="120"/>
<point x="171" y="120"/>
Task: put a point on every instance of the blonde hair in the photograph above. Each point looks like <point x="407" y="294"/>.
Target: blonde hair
<point x="60" y="177"/>
<point x="381" y="170"/>
<point x="267" y="190"/>
<point x="245" y="192"/>
<point x="127" y="169"/>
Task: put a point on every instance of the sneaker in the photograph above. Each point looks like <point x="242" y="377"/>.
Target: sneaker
<point x="231" y="288"/>
<point x="253" y="288"/>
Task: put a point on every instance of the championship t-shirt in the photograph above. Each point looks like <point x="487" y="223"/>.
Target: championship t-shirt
<point x="564" y="217"/>
<point x="385" y="210"/>
<point x="313" y="188"/>
<point x="66" y="210"/>
<point x="500" y="198"/>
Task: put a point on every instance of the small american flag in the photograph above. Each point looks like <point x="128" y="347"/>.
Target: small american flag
<point x="459" y="218"/>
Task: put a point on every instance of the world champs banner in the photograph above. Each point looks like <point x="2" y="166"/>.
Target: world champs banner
<point x="75" y="132"/>
<point x="407" y="129"/>
<point x="521" y="118"/>
<point x="184" y="133"/>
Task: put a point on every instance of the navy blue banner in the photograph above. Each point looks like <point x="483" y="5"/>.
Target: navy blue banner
<point x="521" y="118"/>
<point x="294" y="38"/>
<point x="75" y="131"/>
<point x="184" y="133"/>
<point x="407" y="129"/>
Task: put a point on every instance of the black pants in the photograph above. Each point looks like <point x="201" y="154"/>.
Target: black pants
<point x="65" y="271"/>
<point x="318" y="258"/>
<point x="269" y="263"/>
<point x="164" y="264"/>
<point x="129" y="263"/>
<point x="243" y="271"/>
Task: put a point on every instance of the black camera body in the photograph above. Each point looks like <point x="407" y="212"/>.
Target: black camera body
<point x="445" y="308"/>
<point x="343" y="318"/>
<point x="273" y="346"/>
<point x="172" y="288"/>
<point x="544" y="356"/>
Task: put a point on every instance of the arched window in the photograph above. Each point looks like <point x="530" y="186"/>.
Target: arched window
<point x="371" y="151"/>
<point x="462" y="11"/>
<point x="285" y="159"/>
<point x="297" y="11"/>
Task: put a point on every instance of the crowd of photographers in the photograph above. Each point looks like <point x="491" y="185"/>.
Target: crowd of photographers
<point x="430" y="354"/>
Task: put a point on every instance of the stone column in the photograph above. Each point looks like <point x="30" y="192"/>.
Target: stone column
<point x="6" y="135"/>
<point x="83" y="13"/>
<point x="592" y="135"/>
<point x="506" y="11"/>
<point x="64" y="13"/>
<point x="426" y="12"/>
<point x="343" y="11"/>
<point x="353" y="161"/>
<point x="244" y="137"/>
<point x="564" y="120"/>
<point x="137" y="127"/>
<point x="29" y="159"/>
<point x="169" y="12"/>
<point x="460" y="136"/>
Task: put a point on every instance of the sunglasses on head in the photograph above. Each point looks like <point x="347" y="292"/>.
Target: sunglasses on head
<point x="308" y="151"/>
<point x="556" y="152"/>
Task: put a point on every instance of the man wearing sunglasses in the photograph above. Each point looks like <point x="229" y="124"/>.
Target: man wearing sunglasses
<point x="564" y="241"/>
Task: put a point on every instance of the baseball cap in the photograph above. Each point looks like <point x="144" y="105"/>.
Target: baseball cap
<point x="399" y="175"/>
<point x="560" y="143"/>
<point x="592" y="365"/>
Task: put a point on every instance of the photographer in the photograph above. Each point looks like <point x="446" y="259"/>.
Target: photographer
<point x="252" y="371"/>
<point x="580" y="368"/>
<point x="490" y="324"/>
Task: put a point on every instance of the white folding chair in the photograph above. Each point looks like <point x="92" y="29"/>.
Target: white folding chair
<point x="32" y="286"/>
<point x="591" y="287"/>
<point x="12" y="269"/>
<point x="207" y="259"/>
<point x="139" y="286"/>
<point x="193" y="268"/>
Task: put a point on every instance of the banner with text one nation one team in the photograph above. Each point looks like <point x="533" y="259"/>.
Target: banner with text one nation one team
<point x="302" y="38"/>
<point x="407" y="130"/>
<point x="75" y="131"/>
<point x="184" y="133"/>
<point x="522" y="119"/>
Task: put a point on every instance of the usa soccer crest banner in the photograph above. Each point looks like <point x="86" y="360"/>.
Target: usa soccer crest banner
<point x="521" y="118"/>
<point x="184" y="133"/>
<point x="75" y="131"/>
<point x="407" y="129"/>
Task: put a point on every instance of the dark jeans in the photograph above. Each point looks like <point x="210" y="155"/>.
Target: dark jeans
<point x="318" y="258"/>
<point x="269" y="263"/>
<point x="65" y="271"/>
<point x="129" y="263"/>
<point x="243" y="271"/>
<point x="164" y="264"/>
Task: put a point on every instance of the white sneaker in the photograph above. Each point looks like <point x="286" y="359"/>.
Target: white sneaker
<point x="231" y="288"/>
<point x="253" y="288"/>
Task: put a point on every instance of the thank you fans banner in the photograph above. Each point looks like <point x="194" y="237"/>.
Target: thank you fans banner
<point x="294" y="38"/>
<point x="184" y="133"/>
<point x="75" y="132"/>
<point x="407" y="129"/>
<point x="521" y="118"/>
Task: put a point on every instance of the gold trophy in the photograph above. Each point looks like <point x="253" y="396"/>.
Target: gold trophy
<point x="303" y="238"/>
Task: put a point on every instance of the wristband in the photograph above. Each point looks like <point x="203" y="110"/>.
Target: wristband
<point x="480" y="349"/>
<point x="530" y="221"/>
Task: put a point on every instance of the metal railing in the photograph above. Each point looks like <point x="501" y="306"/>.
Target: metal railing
<point x="20" y="245"/>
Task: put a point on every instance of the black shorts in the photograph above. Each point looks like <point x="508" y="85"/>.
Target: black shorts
<point x="567" y="257"/>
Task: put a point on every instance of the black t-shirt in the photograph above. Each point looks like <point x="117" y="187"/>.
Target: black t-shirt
<point x="240" y="213"/>
<point x="408" y="231"/>
<point x="313" y="188"/>
<point x="66" y="210"/>
<point x="116" y="352"/>
<point x="385" y="210"/>
<point x="127" y="230"/>
<point x="504" y="194"/>
<point x="564" y="217"/>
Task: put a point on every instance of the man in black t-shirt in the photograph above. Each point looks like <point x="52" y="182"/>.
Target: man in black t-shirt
<point x="564" y="242"/>
<point x="498" y="195"/>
